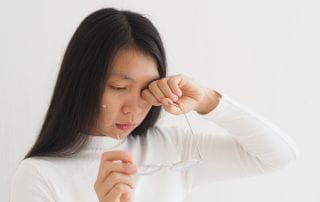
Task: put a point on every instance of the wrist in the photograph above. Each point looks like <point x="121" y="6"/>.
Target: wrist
<point x="209" y="102"/>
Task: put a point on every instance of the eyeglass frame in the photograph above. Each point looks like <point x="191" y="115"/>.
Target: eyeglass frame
<point x="184" y="164"/>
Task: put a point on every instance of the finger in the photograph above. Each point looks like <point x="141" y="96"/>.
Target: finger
<point x="117" y="178"/>
<point x="147" y="95"/>
<point x="155" y="91"/>
<point x="127" y="197"/>
<point x="117" y="191"/>
<point x="106" y="168"/>
<point x="166" y="90"/>
<point x="107" y="158"/>
<point x="173" y="109"/>
<point x="174" y="85"/>
<point x="117" y="155"/>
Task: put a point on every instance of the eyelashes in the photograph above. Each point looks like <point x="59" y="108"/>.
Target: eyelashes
<point x="123" y="88"/>
<point x="118" y="88"/>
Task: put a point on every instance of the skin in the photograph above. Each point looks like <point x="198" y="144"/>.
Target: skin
<point x="131" y="90"/>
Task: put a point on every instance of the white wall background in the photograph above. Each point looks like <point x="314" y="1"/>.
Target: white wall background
<point x="264" y="54"/>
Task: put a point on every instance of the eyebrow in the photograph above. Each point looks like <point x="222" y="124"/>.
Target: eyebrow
<point x="123" y="76"/>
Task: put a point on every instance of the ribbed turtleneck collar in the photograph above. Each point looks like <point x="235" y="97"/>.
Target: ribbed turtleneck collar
<point x="103" y="142"/>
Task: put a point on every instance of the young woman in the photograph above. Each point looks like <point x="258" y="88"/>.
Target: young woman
<point x="98" y="141"/>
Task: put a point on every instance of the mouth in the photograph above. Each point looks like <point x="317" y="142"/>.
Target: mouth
<point x="125" y="127"/>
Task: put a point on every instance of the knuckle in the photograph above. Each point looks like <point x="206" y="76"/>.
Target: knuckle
<point x="126" y="154"/>
<point x="173" y="80"/>
<point x="105" y="156"/>
<point x="152" y="84"/>
<point x="105" y="167"/>
<point x="148" y="97"/>
<point x="130" y="168"/>
<point x="163" y="81"/>
<point x="118" y="188"/>
<point x="124" y="167"/>
<point x="114" y="176"/>
<point x="95" y="186"/>
<point x="145" y="92"/>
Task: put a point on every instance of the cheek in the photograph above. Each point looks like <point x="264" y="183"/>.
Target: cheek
<point x="146" y="111"/>
<point x="114" y="106"/>
<point x="110" y="100"/>
<point x="111" y="109"/>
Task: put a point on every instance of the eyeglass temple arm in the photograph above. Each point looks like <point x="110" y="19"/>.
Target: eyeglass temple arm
<point x="182" y="110"/>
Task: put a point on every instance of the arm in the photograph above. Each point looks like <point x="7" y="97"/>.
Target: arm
<point x="253" y="146"/>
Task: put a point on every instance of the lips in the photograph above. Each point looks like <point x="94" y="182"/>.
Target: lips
<point x="125" y="127"/>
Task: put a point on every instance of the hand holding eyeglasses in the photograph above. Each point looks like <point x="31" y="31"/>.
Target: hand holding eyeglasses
<point x="115" y="177"/>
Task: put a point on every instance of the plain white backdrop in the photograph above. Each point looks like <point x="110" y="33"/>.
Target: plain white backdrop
<point x="264" y="54"/>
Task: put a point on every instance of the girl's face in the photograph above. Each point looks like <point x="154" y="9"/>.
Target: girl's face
<point x="122" y="107"/>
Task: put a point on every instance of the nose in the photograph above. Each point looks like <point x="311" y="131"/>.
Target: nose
<point x="134" y="105"/>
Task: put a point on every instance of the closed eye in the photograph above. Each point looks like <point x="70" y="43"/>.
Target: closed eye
<point x="118" y="88"/>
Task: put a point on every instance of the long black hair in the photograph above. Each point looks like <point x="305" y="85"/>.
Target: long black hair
<point x="75" y="102"/>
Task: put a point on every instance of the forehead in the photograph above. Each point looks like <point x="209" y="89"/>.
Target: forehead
<point x="131" y="64"/>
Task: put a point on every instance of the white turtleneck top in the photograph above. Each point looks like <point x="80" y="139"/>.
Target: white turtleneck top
<point x="252" y="146"/>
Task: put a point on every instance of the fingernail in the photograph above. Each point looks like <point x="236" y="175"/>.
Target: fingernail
<point x="175" y="98"/>
<point x="165" y="103"/>
<point x="170" y="101"/>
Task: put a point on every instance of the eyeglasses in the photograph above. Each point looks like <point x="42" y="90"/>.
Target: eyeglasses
<point x="178" y="166"/>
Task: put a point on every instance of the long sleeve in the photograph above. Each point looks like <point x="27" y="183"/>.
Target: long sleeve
<point x="252" y="146"/>
<point x="28" y="185"/>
